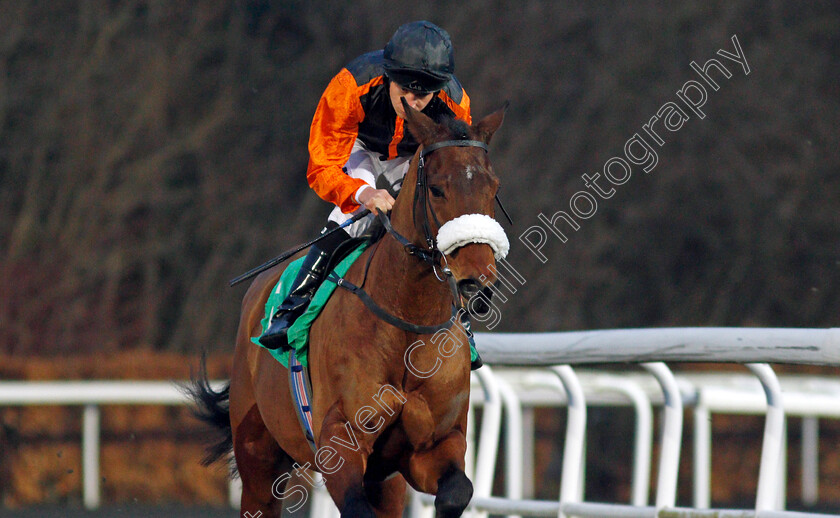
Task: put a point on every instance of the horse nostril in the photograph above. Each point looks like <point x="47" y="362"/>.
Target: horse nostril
<point x="468" y="288"/>
<point x="476" y="305"/>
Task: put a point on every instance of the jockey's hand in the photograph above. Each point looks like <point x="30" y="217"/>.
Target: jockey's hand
<point x="374" y="199"/>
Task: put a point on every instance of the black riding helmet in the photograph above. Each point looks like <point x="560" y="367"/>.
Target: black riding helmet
<point x="419" y="57"/>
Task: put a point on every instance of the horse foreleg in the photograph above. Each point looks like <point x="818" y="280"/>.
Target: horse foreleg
<point x="342" y="458"/>
<point x="454" y="493"/>
<point x="388" y="496"/>
<point x="440" y="471"/>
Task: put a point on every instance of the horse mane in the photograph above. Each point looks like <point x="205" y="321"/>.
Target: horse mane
<point x="456" y="128"/>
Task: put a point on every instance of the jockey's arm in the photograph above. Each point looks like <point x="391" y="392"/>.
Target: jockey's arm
<point x="334" y="129"/>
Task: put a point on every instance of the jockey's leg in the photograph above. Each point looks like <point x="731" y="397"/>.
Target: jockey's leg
<point x="364" y="165"/>
<point x="308" y="279"/>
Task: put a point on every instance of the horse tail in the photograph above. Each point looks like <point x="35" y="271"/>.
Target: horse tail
<point x="212" y="408"/>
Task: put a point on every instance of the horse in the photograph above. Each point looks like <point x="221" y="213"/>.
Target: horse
<point x="389" y="408"/>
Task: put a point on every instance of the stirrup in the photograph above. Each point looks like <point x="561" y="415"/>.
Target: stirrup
<point x="276" y="336"/>
<point x="276" y="339"/>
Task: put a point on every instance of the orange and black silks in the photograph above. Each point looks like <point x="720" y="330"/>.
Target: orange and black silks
<point x="356" y="105"/>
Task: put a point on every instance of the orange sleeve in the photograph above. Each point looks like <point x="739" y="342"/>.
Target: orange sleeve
<point x="334" y="129"/>
<point x="462" y="109"/>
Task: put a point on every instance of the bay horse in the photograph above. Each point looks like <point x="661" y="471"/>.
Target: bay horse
<point x="387" y="409"/>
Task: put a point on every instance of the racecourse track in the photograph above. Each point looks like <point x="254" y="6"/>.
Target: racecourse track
<point x="136" y="511"/>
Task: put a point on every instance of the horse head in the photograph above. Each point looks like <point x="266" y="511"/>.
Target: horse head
<point x="451" y="187"/>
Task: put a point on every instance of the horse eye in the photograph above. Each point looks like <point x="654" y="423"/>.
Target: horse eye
<point x="436" y="192"/>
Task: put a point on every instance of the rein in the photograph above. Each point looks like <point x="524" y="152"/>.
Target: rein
<point x="429" y="255"/>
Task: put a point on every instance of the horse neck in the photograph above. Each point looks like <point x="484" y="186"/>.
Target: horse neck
<point x="407" y="283"/>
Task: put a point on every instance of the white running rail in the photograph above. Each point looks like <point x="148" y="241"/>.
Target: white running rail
<point x="91" y="395"/>
<point x="809" y="397"/>
<point x="531" y="370"/>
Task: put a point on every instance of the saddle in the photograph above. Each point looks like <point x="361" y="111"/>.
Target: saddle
<point x="296" y="360"/>
<point x="298" y="334"/>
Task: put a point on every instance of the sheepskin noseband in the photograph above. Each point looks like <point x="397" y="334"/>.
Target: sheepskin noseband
<point x="473" y="228"/>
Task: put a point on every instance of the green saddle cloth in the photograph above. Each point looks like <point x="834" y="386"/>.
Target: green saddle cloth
<point x="298" y="334"/>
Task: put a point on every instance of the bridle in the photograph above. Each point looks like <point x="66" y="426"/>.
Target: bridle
<point x="430" y="255"/>
<point x="421" y="192"/>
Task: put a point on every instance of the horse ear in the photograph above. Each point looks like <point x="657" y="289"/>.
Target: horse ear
<point x="488" y="125"/>
<point x="419" y="124"/>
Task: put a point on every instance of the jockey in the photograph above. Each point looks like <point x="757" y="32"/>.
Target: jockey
<point x="359" y="150"/>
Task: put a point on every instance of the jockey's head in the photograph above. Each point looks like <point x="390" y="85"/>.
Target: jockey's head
<point x="419" y="57"/>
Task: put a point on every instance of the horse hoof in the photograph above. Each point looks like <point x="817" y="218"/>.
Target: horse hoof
<point x="454" y="493"/>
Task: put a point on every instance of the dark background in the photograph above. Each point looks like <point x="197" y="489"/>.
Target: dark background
<point x="152" y="150"/>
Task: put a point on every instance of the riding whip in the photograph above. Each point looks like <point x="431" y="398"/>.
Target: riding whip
<point x="499" y="201"/>
<point x="288" y="253"/>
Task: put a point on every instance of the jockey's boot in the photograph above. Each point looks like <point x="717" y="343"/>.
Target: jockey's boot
<point x="305" y="285"/>
<point x="465" y="320"/>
